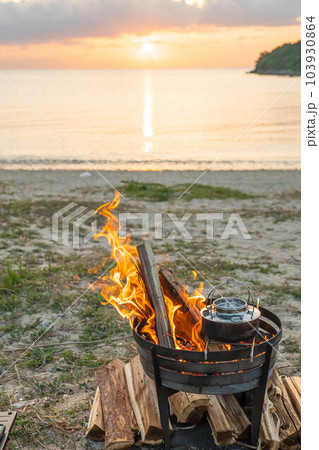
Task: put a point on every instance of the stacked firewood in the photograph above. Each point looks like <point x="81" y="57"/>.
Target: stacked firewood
<point x="125" y="411"/>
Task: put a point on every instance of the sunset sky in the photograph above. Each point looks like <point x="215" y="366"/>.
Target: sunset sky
<point x="143" y="33"/>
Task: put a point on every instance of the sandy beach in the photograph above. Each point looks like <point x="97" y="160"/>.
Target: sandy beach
<point x="42" y="278"/>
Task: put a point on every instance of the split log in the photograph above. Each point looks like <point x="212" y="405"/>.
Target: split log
<point x="297" y="383"/>
<point x="290" y="426"/>
<point x="142" y="394"/>
<point x="95" y="430"/>
<point x="176" y="290"/>
<point x="269" y="426"/>
<point x="153" y="288"/>
<point x="214" y="347"/>
<point x="188" y="408"/>
<point x="235" y="415"/>
<point x="117" y="411"/>
<point x="293" y="387"/>
<point x="221" y="430"/>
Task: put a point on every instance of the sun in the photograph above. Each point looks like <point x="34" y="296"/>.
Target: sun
<point x="148" y="48"/>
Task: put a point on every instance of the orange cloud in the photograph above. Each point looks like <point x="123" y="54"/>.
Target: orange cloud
<point x="195" y="47"/>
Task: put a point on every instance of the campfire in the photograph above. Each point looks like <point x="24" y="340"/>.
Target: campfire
<point x="129" y="295"/>
<point x="211" y="348"/>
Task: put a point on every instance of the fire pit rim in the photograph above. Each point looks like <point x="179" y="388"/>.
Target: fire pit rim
<point x="219" y="356"/>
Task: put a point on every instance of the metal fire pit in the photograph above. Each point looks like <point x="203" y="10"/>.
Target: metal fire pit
<point x="246" y="367"/>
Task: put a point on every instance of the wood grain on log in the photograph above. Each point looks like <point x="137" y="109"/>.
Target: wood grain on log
<point x="188" y="408"/>
<point x="290" y="426"/>
<point x="235" y="415"/>
<point x="95" y="430"/>
<point x="142" y="394"/>
<point x="221" y="429"/>
<point x="269" y="426"/>
<point x="293" y="386"/>
<point x="177" y="291"/>
<point x="152" y="284"/>
<point x="117" y="411"/>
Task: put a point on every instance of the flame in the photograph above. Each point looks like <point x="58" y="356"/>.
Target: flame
<point x="194" y="274"/>
<point x="124" y="289"/>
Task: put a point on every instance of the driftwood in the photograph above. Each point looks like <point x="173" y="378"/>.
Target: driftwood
<point x="117" y="411"/>
<point x="152" y="284"/>
<point x="142" y="394"/>
<point x="293" y="387"/>
<point x="176" y="290"/>
<point x="188" y="408"/>
<point x="290" y="426"/>
<point x="95" y="430"/>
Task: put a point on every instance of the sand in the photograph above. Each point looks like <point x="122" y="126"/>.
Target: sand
<point x="269" y="262"/>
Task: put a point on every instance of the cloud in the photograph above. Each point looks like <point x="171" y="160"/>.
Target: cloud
<point x="36" y="21"/>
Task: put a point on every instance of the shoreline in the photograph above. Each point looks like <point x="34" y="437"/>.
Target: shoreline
<point x="48" y="183"/>
<point x="285" y="73"/>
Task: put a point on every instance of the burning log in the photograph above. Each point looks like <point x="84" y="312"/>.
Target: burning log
<point x="290" y="425"/>
<point x="95" y="430"/>
<point x="142" y="393"/>
<point x="117" y="411"/>
<point x="177" y="291"/>
<point x="153" y="288"/>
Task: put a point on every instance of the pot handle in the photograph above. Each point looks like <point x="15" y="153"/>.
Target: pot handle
<point x="228" y="281"/>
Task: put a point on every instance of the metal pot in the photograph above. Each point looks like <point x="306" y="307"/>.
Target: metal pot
<point x="230" y="319"/>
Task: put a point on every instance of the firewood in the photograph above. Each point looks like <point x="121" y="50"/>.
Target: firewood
<point x="221" y="429"/>
<point x="95" y="430"/>
<point x="292" y="386"/>
<point x="152" y="284"/>
<point x="269" y="426"/>
<point x="177" y="291"/>
<point x="297" y="383"/>
<point x="290" y="426"/>
<point x="214" y="347"/>
<point x="235" y="415"/>
<point x="117" y="411"/>
<point x="188" y="408"/>
<point x="142" y="394"/>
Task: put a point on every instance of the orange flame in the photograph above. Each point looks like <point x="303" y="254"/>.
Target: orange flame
<point x="194" y="274"/>
<point x="124" y="289"/>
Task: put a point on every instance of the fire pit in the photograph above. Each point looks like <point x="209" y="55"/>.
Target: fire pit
<point x="245" y="367"/>
<point x="173" y="329"/>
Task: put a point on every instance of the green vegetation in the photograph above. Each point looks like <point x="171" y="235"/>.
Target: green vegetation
<point x="157" y="192"/>
<point x="283" y="60"/>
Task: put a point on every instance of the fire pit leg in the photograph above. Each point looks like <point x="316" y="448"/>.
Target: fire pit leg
<point x="162" y="397"/>
<point x="258" y="396"/>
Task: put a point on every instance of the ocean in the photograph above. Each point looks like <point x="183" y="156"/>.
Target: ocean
<point x="224" y="119"/>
